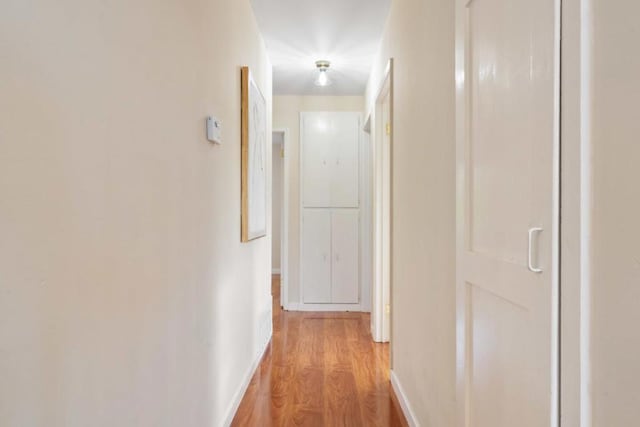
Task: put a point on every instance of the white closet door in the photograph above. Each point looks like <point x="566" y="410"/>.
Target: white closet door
<point x="317" y="163"/>
<point x="508" y="259"/>
<point x="345" y="152"/>
<point x="316" y="255"/>
<point x="345" y="253"/>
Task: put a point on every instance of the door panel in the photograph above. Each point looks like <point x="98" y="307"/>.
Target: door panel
<point x="346" y="256"/>
<point x="316" y="255"/>
<point x="499" y="348"/>
<point x="508" y="150"/>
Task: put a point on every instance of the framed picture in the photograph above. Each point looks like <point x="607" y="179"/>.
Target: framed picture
<point x="254" y="159"/>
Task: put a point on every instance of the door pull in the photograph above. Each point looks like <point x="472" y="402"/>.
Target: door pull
<point x="532" y="232"/>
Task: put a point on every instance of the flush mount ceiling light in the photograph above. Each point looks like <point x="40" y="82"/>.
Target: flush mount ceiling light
<point x="322" y="79"/>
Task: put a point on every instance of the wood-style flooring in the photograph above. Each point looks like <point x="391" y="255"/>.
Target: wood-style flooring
<point x="321" y="369"/>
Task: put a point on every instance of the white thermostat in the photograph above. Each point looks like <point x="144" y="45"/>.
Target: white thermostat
<point x="214" y="130"/>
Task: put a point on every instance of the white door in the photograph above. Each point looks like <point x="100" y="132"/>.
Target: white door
<point x="317" y="164"/>
<point x="316" y="255"/>
<point x="508" y="149"/>
<point x="330" y="159"/>
<point x="345" y="171"/>
<point x="346" y="256"/>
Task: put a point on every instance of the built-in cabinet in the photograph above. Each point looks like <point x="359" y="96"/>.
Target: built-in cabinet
<point x="330" y="210"/>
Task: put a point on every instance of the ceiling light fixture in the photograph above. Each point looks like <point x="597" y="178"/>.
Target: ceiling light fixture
<point x="322" y="79"/>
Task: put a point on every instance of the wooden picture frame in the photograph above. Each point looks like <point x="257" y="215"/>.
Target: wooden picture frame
<point x="254" y="159"/>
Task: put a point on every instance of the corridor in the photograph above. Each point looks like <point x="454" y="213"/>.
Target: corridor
<point x="321" y="369"/>
<point x="266" y="213"/>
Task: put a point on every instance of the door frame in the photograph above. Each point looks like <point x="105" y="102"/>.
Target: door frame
<point x="379" y="244"/>
<point x="284" y="218"/>
<point x="462" y="401"/>
<point x="576" y="199"/>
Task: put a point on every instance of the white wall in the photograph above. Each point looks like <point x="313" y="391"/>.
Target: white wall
<point x="600" y="207"/>
<point x="276" y="201"/>
<point x="286" y="115"/>
<point x="616" y="209"/>
<point x="126" y="297"/>
<point x="419" y="35"/>
<point x="615" y="257"/>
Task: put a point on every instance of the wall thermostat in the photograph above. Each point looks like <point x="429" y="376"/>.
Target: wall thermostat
<point x="214" y="130"/>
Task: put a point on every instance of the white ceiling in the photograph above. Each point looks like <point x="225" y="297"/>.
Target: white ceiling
<point x="299" y="32"/>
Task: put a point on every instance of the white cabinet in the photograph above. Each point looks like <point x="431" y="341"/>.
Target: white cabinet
<point x="330" y="159"/>
<point x="330" y="232"/>
<point x="330" y="256"/>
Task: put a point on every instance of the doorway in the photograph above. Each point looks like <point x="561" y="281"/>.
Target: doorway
<point x="279" y="209"/>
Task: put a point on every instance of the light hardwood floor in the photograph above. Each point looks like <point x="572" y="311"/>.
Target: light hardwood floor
<point x="321" y="369"/>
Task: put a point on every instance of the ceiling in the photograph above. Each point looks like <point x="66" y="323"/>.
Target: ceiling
<point x="299" y="32"/>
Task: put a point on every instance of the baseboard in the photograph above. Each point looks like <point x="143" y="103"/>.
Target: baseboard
<point x="296" y="306"/>
<point x="237" y="398"/>
<point x="404" y="402"/>
<point x="275" y="271"/>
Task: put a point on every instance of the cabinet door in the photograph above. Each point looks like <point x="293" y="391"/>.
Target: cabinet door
<point x="316" y="255"/>
<point x="345" y="156"/>
<point x="345" y="256"/>
<point x="317" y="136"/>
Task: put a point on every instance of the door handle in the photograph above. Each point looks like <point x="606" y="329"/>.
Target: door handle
<point x="533" y="231"/>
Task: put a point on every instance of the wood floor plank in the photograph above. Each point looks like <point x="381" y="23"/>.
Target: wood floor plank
<point x="342" y="406"/>
<point x="321" y="369"/>
<point x="337" y="354"/>
<point x="353" y="329"/>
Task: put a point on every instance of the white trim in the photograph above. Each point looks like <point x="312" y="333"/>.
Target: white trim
<point x="576" y="405"/>
<point x="275" y="271"/>
<point x="366" y="213"/>
<point x="586" y="203"/>
<point x="378" y="330"/>
<point x="461" y="327"/>
<point x="237" y="397"/>
<point x="295" y="306"/>
<point x="284" y="243"/>
<point x="300" y="208"/>
<point x="404" y="401"/>
<point x="554" y="416"/>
